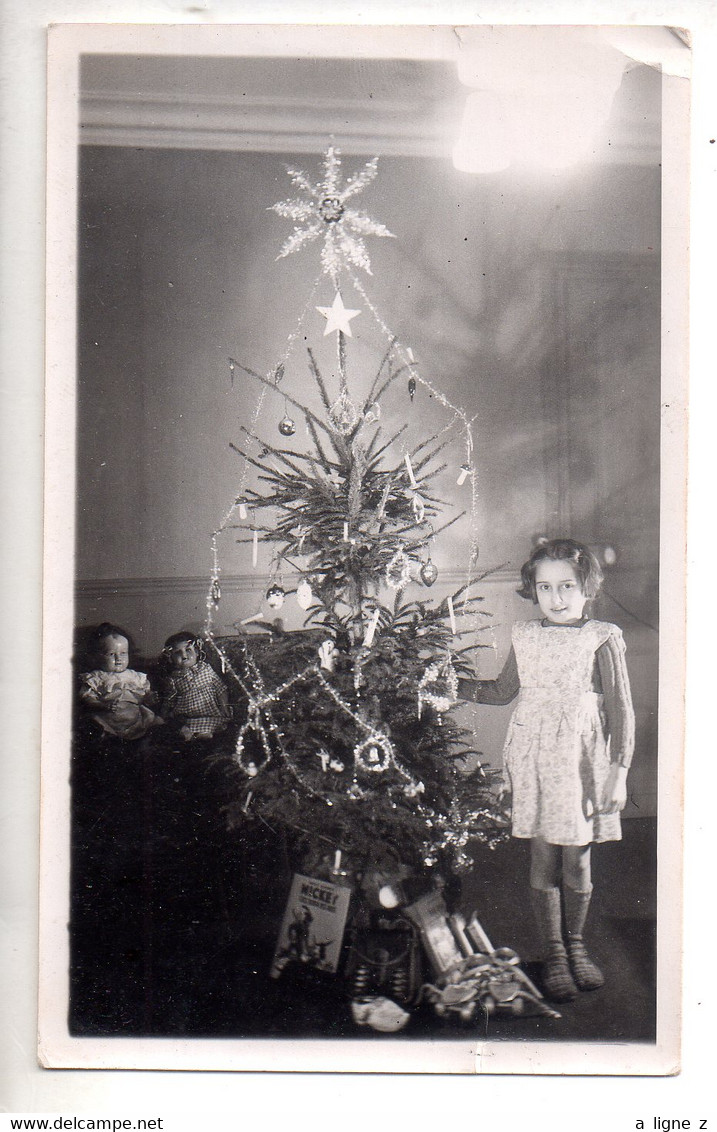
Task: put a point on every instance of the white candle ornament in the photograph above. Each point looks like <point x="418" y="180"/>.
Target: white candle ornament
<point x="371" y="629"/>
<point x="409" y="469"/>
<point x="463" y="474"/>
<point x="324" y="756"/>
<point x="452" y="616"/>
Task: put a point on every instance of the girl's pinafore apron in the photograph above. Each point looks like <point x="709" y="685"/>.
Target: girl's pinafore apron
<point x="556" y="752"/>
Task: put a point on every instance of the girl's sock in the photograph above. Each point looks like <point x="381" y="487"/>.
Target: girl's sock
<point x="586" y="973"/>
<point x="557" y="979"/>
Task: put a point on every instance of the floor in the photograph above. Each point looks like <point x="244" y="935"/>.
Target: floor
<point x="174" y="921"/>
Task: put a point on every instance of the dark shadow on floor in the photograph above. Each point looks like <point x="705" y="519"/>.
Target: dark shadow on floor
<point x="174" y="921"/>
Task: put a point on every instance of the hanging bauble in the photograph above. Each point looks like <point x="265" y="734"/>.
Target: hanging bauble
<point x="375" y="754"/>
<point x="279" y="373"/>
<point x="429" y="573"/>
<point x="411" y="387"/>
<point x="398" y="571"/>
<point x="287" y="427"/>
<point x="275" y="596"/>
<point x="216" y="591"/>
<point x="336" y="766"/>
<point x="304" y="595"/>
<point x="373" y="412"/>
<point x="252" y="770"/>
<point x="343" y="414"/>
<point x="419" y="507"/>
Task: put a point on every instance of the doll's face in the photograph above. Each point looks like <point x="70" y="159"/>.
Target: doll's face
<point x="114" y="654"/>
<point x="559" y="591"/>
<point x="183" y="655"/>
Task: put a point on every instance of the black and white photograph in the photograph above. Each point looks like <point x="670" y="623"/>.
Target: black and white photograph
<point x="365" y="473"/>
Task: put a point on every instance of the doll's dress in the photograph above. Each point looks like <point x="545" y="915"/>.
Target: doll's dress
<point x="196" y="698"/>
<point x="556" y="752"/>
<point x="131" y="717"/>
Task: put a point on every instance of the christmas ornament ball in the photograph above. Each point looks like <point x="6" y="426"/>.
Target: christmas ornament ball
<point x="429" y="573"/>
<point x="275" y="596"/>
<point x="287" y="427"/>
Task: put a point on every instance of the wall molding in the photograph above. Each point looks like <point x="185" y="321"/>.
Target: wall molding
<point x="395" y="107"/>
<point x="403" y="128"/>
<point x="97" y="588"/>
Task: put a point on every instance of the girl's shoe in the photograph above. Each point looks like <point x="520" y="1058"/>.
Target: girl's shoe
<point x="557" y="979"/>
<point x="587" y="974"/>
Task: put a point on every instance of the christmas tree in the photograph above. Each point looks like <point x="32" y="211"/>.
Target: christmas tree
<point x="347" y="737"/>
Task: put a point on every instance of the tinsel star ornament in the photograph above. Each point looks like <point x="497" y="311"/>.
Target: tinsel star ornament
<point x="322" y="212"/>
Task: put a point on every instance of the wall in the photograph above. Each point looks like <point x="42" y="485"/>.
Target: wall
<point x="533" y="304"/>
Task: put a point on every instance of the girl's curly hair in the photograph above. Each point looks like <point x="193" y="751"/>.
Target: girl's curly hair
<point x="580" y="557"/>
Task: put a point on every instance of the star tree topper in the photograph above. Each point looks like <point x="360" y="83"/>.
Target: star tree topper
<point x="338" y="316"/>
<point x="323" y="210"/>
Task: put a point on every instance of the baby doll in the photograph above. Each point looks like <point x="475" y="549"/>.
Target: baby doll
<point x="194" y="696"/>
<point x="116" y="696"/>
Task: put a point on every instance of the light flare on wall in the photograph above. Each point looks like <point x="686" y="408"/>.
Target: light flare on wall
<point x="540" y="95"/>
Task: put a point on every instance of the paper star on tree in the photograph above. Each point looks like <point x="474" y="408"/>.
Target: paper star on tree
<point x="338" y="316"/>
<point x="324" y="211"/>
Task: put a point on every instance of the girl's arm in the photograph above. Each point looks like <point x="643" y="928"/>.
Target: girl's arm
<point x="502" y="690"/>
<point x="620" y="719"/>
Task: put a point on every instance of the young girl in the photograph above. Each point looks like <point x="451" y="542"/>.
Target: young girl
<point x="568" y="748"/>
<point x="194" y="696"/>
<point x="116" y="696"/>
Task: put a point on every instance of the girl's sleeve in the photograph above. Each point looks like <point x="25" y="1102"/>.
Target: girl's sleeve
<point x="617" y="699"/>
<point x="502" y="690"/>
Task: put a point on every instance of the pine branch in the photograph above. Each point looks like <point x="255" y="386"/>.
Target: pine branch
<point x="247" y="457"/>
<point x="325" y="463"/>
<point x="420" y="464"/>
<point x="388" y="383"/>
<point x="388" y="444"/>
<point x="370" y="400"/>
<point x="318" y="379"/>
<point x="427" y="441"/>
<point x="438" y="531"/>
<point x="280" y="453"/>
<point x="292" y="401"/>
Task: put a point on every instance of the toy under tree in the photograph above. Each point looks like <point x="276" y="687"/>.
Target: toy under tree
<point x="347" y="738"/>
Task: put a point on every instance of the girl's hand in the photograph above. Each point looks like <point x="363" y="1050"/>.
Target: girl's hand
<point x="505" y="796"/>
<point x="615" y="790"/>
